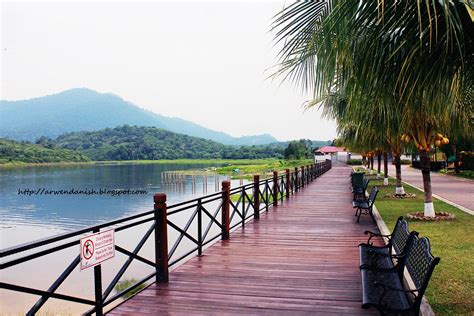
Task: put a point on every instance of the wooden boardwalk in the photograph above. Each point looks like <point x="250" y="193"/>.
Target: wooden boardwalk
<point x="299" y="258"/>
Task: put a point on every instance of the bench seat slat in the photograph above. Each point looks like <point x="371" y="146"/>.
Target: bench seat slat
<point x="371" y="293"/>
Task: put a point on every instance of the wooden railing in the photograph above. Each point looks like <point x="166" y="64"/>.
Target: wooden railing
<point x="235" y="206"/>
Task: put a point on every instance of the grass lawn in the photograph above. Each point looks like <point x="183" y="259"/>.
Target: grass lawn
<point x="451" y="289"/>
<point x="264" y="166"/>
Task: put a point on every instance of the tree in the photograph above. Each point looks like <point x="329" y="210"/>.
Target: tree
<point x="416" y="56"/>
<point x="298" y="150"/>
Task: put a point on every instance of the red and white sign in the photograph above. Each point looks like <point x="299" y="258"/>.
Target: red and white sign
<point x="97" y="248"/>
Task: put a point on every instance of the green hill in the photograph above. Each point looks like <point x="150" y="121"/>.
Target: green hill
<point x="11" y="152"/>
<point x="151" y="143"/>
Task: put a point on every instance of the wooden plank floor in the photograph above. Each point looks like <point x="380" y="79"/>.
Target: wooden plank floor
<point x="299" y="258"/>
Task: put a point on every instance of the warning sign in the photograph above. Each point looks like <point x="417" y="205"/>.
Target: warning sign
<point x="97" y="248"/>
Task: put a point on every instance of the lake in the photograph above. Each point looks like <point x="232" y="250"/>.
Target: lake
<point x="32" y="208"/>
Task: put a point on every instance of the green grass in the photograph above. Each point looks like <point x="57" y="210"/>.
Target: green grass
<point x="236" y="197"/>
<point x="247" y="168"/>
<point x="451" y="289"/>
<point x="262" y="166"/>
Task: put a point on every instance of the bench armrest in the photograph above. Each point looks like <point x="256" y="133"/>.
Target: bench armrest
<point x="372" y="234"/>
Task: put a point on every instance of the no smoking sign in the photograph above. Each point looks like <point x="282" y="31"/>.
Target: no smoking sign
<point x="97" y="248"/>
<point x="88" y="249"/>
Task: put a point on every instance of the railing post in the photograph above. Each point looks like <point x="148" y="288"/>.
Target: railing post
<point x="302" y="176"/>
<point x="308" y="175"/>
<point x="99" y="302"/>
<point x="312" y="172"/>
<point x="275" y="188"/>
<point x="287" y="183"/>
<point x="199" y="223"/>
<point x="266" y="195"/>
<point x="296" y="179"/>
<point x="161" y="238"/>
<point x="256" y="196"/>
<point x="244" y="215"/>
<point x="225" y="209"/>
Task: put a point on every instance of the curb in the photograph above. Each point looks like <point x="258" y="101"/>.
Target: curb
<point x="425" y="308"/>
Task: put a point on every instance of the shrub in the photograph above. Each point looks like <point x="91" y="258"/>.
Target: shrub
<point x="468" y="162"/>
<point x="354" y="162"/>
<point x="405" y="161"/>
<point x="467" y="174"/>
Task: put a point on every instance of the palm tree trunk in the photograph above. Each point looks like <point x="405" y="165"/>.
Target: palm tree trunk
<point x="385" y="168"/>
<point x="425" y="170"/>
<point x="399" y="190"/>
<point x="371" y="165"/>
<point x="379" y="162"/>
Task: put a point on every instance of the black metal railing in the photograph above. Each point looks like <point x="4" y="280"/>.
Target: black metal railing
<point x="211" y="216"/>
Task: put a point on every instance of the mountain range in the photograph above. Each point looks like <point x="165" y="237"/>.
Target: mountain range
<point x="84" y="109"/>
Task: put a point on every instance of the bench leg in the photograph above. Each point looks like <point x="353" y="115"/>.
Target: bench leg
<point x="358" y="217"/>
<point x="357" y="211"/>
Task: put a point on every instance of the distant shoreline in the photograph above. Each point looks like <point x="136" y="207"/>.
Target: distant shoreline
<point x="125" y="162"/>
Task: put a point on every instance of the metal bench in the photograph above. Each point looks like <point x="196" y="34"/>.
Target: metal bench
<point x="393" y="255"/>
<point x="386" y="291"/>
<point x="366" y="205"/>
<point x="358" y="191"/>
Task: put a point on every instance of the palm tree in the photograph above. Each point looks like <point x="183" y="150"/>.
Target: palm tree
<point x="416" y="56"/>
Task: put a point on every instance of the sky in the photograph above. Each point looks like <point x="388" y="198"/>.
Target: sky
<point x="207" y="62"/>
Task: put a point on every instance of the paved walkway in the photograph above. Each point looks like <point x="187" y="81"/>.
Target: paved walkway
<point x="456" y="190"/>
<point x="299" y="258"/>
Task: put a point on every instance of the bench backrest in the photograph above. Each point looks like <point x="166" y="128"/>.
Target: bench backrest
<point x="373" y="195"/>
<point x="420" y="264"/>
<point x="400" y="235"/>
<point x="366" y="183"/>
<point x="357" y="179"/>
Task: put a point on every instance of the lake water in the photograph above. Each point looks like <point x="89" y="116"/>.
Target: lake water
<point x="27" y="215"/>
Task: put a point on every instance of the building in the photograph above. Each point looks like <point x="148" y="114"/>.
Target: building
<point x="331" y="153"/>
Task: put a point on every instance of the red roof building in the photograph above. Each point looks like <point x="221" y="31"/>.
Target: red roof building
<point x="330" y="149"/>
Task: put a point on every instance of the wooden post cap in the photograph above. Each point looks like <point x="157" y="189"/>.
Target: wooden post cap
<point x="226" y="184"/>
<point x="256" y="177"/>
<point x="275" y="173"/>
<point x="159" y="198"/>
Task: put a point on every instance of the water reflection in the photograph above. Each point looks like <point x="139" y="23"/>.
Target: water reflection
<point x="45" y="215"/>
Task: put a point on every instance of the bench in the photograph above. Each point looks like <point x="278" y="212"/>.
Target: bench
<point x="392" y="256"/>
<point x="385" y="290"/>
<point x="366" y="205"/>
<point x="358" y="191"/>
<point x="382" y="257"/>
